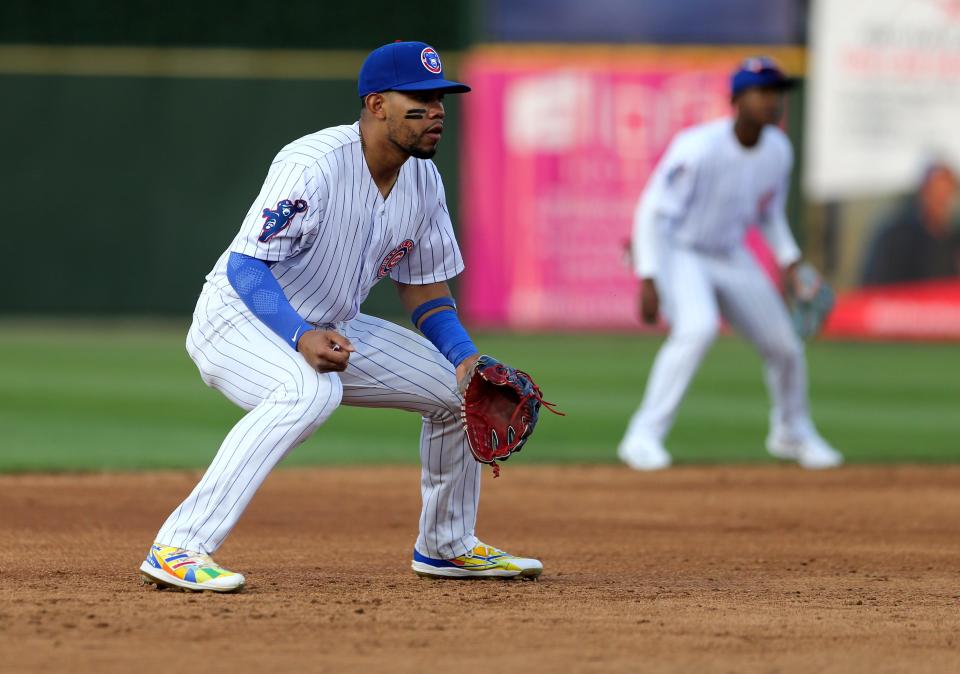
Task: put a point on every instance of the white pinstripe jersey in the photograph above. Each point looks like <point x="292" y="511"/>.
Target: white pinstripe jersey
<point x="329" y="235"/>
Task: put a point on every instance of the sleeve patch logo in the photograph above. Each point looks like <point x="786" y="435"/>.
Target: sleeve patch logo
<point x="431" y="60"/>
<point x="393" y="258"/>
<point x="279" y="218"/>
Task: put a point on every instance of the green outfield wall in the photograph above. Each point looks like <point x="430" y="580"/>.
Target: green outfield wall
<point x="125" y="189"/>
<point x="134" y="135"/>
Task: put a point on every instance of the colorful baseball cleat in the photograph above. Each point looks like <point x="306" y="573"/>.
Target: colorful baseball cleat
<point x="166" y="566"/>
<point x="484" y="561"/>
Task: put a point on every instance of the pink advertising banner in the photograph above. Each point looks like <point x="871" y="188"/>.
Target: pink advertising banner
<point x="558" y="147"/>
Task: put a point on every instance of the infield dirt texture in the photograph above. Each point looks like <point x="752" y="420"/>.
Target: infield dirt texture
<point x="744" y="567"/>
<point x="747" y="569"/>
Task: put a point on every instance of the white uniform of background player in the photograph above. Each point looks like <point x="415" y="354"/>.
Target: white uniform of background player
<point x="688" y="248"/>
<point x="340" y="210"/>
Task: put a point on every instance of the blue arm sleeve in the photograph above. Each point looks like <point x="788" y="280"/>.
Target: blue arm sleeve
<point x="259" y="290"/>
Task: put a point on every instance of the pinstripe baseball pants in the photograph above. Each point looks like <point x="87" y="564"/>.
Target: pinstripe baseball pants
<point x="287" y="401"/>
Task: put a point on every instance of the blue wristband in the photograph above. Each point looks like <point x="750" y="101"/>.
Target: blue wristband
<point x="258" y="288"/>
<point x="430" y="305"/>
<point x="446" y="333"/>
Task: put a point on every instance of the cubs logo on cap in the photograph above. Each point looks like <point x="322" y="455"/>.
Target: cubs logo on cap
<point x="431" y="60"/>
<point x="757" y="63"/>
<point x="405" y="66"/>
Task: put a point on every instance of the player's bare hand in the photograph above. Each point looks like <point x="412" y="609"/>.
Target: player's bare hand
<point x="325" y="350"/>
<point x="789" y="277"/>
<point x="464" y="369"/>
<point x="649" y="301"/>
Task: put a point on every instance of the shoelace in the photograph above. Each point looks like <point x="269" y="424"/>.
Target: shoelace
<point x="493" y="552"/>
<point x="538" y="394"/>
<point x="197" y="559"/>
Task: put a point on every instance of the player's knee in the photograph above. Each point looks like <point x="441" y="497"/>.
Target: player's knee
<point x="451" y="405"/>
<point x="442" y="400"/>
<point x="443" y="404"/>
<point x="315" y="397"/>
<point x="787" y="349"/>
<point x="699" y="335"/>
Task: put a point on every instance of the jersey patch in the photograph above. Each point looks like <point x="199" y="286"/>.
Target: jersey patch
<point x="279" y="218"/>
<point x="393" y="258"/>
<point x="431" y="60"/>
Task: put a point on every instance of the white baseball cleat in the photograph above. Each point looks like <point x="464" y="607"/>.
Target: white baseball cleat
<point x="643" y="452"/>
<point x="812" y="452"/>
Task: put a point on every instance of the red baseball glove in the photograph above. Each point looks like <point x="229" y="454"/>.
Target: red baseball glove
<point x="500" y="409"/>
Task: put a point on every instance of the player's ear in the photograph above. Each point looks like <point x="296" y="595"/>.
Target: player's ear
<point x="374" y="104"/>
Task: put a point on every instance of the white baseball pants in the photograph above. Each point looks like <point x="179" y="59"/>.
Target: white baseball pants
<point x="287" y="401"/>
<point x="696" y="289"/>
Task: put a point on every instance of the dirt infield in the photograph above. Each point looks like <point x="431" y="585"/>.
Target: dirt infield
<point x="697" y="569"/>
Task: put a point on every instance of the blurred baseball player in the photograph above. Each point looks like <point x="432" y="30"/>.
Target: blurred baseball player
<point x="278" y="328"/>
<point x="715" y="180"/>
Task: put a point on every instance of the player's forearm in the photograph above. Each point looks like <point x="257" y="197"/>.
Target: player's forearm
<point x="433" y="312"/>
<point x="784" y="246"/>
<point x="259" y="290"/>
<point x="412" y="296"/>
<point x="644" y="243"/>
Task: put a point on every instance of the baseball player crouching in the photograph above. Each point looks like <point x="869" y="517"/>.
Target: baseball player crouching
<point x="278" y="328"/>
<point x="715" y="180"/>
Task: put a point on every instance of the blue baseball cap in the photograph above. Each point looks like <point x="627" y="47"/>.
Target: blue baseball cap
<point x="405" y="66"/>
<point x="759" y="71"/>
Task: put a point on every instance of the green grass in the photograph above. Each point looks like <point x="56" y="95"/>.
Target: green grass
<point x="126" y="396"/>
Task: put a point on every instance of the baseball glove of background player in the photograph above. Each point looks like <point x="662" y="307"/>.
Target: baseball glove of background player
<point x="811" y="301"/>
<point x="500" y="409"/>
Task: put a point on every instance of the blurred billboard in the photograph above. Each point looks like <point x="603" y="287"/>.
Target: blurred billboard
<point x="884" y="94"/>
<point x="558" y="146"/>
<point x="883" y="147"/>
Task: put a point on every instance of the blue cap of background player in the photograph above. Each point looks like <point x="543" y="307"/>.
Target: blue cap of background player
<point x="759" y="71"/>
<point x="405" y="66"/>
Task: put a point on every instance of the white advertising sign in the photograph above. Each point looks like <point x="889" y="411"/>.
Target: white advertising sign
<point x="883" y="94"/>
